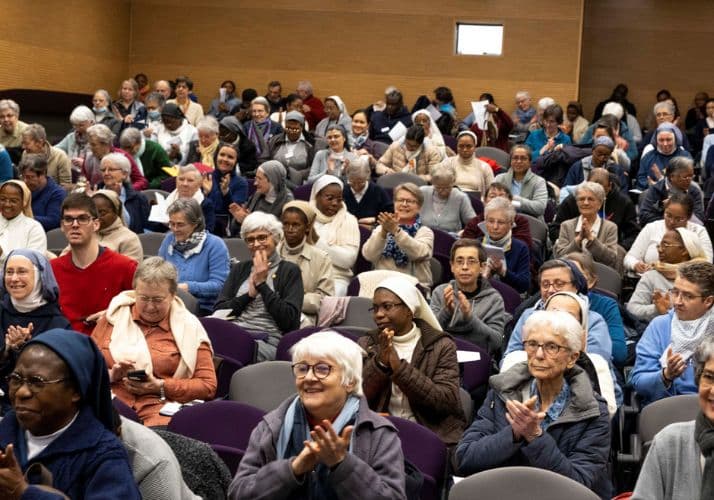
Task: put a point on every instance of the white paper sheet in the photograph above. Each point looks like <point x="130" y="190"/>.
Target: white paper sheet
<point x="398" y="131"/>
<point x="467" y="356"/>
<point x="159" y="212"/>
<point x="479" y="109"/>
<point x="435" y="113"/>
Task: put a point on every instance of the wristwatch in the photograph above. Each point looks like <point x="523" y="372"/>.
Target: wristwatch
<point x="162" y="393"/>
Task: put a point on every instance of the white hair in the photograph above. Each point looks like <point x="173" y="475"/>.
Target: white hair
<point x="593" y="187"/>
<point x="614" y="108"/>
<point x="101" y="132"/>
<point x="545" y="102"/>
<point x="81" y="114"/>
<point x="501" y="204"/>
<point x="118" y="160"/>
<point x="330" y="345"/>
<point x="523" y="94"/>
<point x="561" y="323"/>
<point x="256" y="221"/>
<point x="11" y="105"/>
<point x="444" y="172"/>
<point x="207" y="124"/>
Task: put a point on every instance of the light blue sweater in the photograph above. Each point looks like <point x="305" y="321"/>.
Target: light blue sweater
<point x="203" y="272"/>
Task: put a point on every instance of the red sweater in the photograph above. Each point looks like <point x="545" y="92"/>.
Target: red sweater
<point x="316" y="113"/>
<point x="86" y="291"/>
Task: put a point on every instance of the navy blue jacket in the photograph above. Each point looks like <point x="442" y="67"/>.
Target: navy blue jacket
<point x="237" y="192"/>
<point x="576" y="444"/>
<point x="374" y="201"/>
<point x="47" y="204"/>
<point x="654" y="157"/>
<point x="381" y="123"/>
<point x="86" y="461"/>
<point x="518" y="266"/>
<point x="652" y="208"/>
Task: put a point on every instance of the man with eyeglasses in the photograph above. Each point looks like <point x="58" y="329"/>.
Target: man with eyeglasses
<point x="663" y="364"/>
<point x="89" y="275"/>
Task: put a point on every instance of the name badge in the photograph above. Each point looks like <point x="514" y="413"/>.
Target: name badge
<point x="385" y="129"/>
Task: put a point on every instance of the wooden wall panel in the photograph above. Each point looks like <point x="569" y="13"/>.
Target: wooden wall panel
<point x="649" y="45"/>
<point x="73" y="45"/>
<point x="357" y="49"/>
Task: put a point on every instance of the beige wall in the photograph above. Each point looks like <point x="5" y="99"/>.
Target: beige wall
<point x="649" y="45"/>
<point x="356" y="49"/>
<point x="75" y="46"/>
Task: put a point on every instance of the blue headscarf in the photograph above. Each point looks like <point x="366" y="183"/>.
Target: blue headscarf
<point x="87" y="365"/>
<point x="47" y="281"/>
<point x="579" y="280"/>
<point x="668" y="127"/>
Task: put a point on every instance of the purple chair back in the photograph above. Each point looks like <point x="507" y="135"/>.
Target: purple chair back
<point x="426" y="451"/>
<point x="251" y="186"/>
<point x="125" y="410"/>
<point x="476" y="202"/>
<point x="290" y="339"/>
<point x="362" y="264"/>
<point x="168" y="184"/>
<point x="225" y="425"/>
<point x="474" y="373"/>
<point x="303" y="192"/>
<point x="230" y="340"/>
<point x="450" y="141"/>
<point x="511" y="298"/>
<point x="443" y="242"/>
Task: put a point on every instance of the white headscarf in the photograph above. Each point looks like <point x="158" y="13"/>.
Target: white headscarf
<point x="434" y="139"/>
<point x="340" y="104"/>
<point x="692" y="243"/>
<point x="35" y="299"/>
<point x="412" y="298"/>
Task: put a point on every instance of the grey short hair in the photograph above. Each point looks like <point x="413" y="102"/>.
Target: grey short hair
<point x="261" y="220"/>
<point x="546" y="102"/>
<point x="703" y="353"/>
<point x="562" y="323"/>
<point x="119" y="160"/>
<point x="523" y="94"/>
<point x="305" y="85"/>
<point x="359" y="168"/>
<point x="130" y="137"/>
<point x="500" y="204"/>
<point x="100" y="132"/>
<point x="191" y="210"/>
<point x="262" y="101"/>
<point x="593" y="187"/>
<point x="156" y="97"/>
<point x="330" y="345"/>
<point x="36" y="132"/>
<point x="155" y="270"/>
<point x="443" y="172"/>
<point x="411" y="188"/>
<point x="187" y="169"/>
<point x="208" y="124"/>
<point x="81" y="114"/>
<point x="665" y="106"/>
<point x="106" y="96"/>
<point x="11" y="105"/>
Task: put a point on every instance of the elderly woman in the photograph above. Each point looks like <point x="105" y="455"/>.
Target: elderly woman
<point x="62" y="420"/>
<point x="547" y="139"/>
<point x="298" y="246"/>
<point x="667" y="140"/>
<point x="154" y="103"/>
<point x="128" y="108"/>
<point x="364" y="199"/>
<point x="113" y="233"/>
<point x="17" y="227"/>
<point x="589" y="232"/>
<point x="524" y="115"/>
<point x="225" y="185"/>
<point x="678" y="179"/>
<point x="292" y="148"/>
<point x="59" y="167"/>
<point x="337" y="228"/>
<point x="410" y="369"/>
<point x="103" y="114"/>
<point x="543" y="413"/>
<point x="521" y="227"/>
<point x="679" y="463"/>
<point x="265" y="294"/>
<point x="149" y="156"/>
<point x="468" y="306"/>
<point x="643" y="252"/>
<point x="175" y="133"/>
<point x="336" y="115"/>
<point x="191" y="110"/>
<point x="445" y="206"/>
<point x="101" y="143"/>
<point x="326" y="439"/>
<point x="472" y="174"/>
<point x="409" y="154"/>
<point x="401" y="242"/>
<point x="271" y="194"/>
<point x="530" y="195"/>
<point x="508" y="257"/>
<point x="116" y="169"/>
<point x="601" y="157"/>
<point x="651" y="296"/>
<point x="200" y="258"/>
<point x="75" y="143"/>
<point x="432" y="134"/>
<point x="335" y="159"/>
<point x="203" y="150"/>
<point x="261" y="128"/>
<point x="191" y="183"/>
<point x="150" y="331"/>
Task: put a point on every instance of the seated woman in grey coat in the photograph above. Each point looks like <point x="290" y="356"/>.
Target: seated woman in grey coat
<point x="445" y="206"/>
<point x="325" y="442"/>
<point x="468" y="306"/>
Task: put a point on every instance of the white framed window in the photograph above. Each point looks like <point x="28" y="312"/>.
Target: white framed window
<point x="479" y="39"/>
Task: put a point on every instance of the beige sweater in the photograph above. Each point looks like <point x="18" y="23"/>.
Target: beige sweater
<point x="419" y="250"/>
<point x="476" y="175"/>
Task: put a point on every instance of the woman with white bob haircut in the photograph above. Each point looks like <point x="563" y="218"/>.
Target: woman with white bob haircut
<point x="325" y="442"/>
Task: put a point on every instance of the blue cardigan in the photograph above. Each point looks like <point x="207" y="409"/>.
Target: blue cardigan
<point x="237" y="193"/>
<point x="47" y="204"/>
<point x="537" y="139"/>
<point x="646" y="377"/>
<point x="203" y="272"/>
<point x="518" y="266"/>
<point x="607" y="308"/>
<point x="6" y="170"/>
<point x="86" y="461"/>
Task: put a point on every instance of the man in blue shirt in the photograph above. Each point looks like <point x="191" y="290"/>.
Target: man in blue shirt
<point x="47" y="195"/>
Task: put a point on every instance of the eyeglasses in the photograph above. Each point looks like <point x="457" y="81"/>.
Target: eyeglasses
<point x="668" y="245"/>
<point x="497" y="222"/>
<point x="557" y="284"/>
<point x="386" y="307"/>
<point x="177" y="225"/>
<point x="320" y="370"/>
<point x="405" y="201"/>
<point x="109" y="169"/>
<point x="686" y="296"/>
<point x="678" y="220"/>
<point x="550" y="348"/>
<point x="82" y="220"/>
<point x="150" y="300"/>
<point x="663" y="115"/>
<point x="471" y="262"/>
<point x="34" y="383"/>
<point x="707" y="379"/>
<point x="260" y="239"/>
